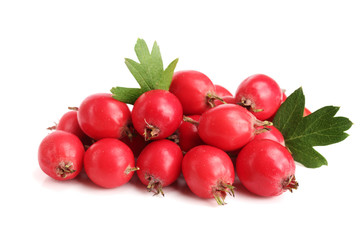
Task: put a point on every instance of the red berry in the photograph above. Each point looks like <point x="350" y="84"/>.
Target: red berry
<point x="109" y="163"/>
<point x="209" y="172"/>
<point x="266" y="168"/>
<point x="188" y="134"/>
<point x="69" y="123"/>
<point x="195" y="91"/>
<point x="101" y="116"/>
<point x="222" y="92"/>
<point x="157" y="114"/>
<point x="228" y="127"/>
<point x="271" y="133"/>
<point x="260" y="94"/>
<point x="159" y="164"/>
<point x="60" y="155"/>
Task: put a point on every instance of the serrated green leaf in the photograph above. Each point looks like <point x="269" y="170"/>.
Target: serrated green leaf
<point x="167" y="76"/>
<point x="142" y="51"/>
<point x="305" y="154"/>
<point x="302" y="133"/>
<point x="290" y="113"/>
<point x="151" y="63"/>
<point x="321" y="127"/>
<point x="148" y="72"/>
<point x="126" y="95"/>
<point x="139" y="74"/>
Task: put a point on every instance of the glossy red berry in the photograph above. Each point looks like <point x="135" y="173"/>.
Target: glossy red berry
<point x="260" y="94"/>
<point x="159" y="165"/>
<point x="101" y="116"/>
<point x="60" y="155"/>
<point x="157" y="114"/>
<point x="266" y="168"/>
<point x="228" y="127"/>
<point x="69" y="123"/>
<point x="209" y="172"/>
<point x="221" y="91"/>
<point x="195" y="91"/>
<point x="109" y="163"/>
<point x="188" y="133"/>
<point x="271" y="133"/>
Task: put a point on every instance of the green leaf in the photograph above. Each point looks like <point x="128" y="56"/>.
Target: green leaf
<point x="148" y="72"/>
<point x="305" y="154"/>
<point x="317" y="129"/>
<point x="167" y="76"/>
<point x="126" y="95"/>
<point x="139" y="74"/>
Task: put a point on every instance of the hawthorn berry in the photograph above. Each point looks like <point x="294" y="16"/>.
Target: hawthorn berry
<point x="195" y="91"/>
<point x="60" y="155"/>
<point x="260" y="94"/>
<point x="266" y="168"/>
<point x="101" y="116"/>
<point x="157" y="114"/>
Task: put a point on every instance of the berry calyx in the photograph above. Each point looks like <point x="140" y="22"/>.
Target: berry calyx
<point x="290" y="184"/>
<point x="150" y="131"/>
<point x="221" y="190"/>
<point x="63" y="169"/>
<point x="154" y="185"/>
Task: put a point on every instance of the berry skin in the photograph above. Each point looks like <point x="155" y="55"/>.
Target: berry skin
<point x="61" y="155"/>
<point x="101" y="116"/>
<point x="157" y="114"/>
<point x="306" y="112"/>
<point x="271" y="133"/>
<point x="69" y="123"/>
<point x="221" y="91"/>
<point x="260" y="94"/>
<point x="109" y="163"/>
<point x="188" y="134"/>
<point x="159" y="165"/>
<point x="266" y="168"/>
<point x="209" y="172"/>
<point x="228" y="127"/>
<point x="195" y="91"/>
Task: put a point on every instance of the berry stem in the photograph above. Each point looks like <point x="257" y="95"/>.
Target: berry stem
<point x="53" y="127"/>
<point x="131" y="169"/>
<point x="190" y="120"/>
<point x="73" y="108"/>
<point x="211" y="97"/>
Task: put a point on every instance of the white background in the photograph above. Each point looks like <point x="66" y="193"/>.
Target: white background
<point x="55" y="53"/>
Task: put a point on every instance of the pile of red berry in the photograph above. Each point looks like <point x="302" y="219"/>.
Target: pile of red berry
<point x="196" y="128"/>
